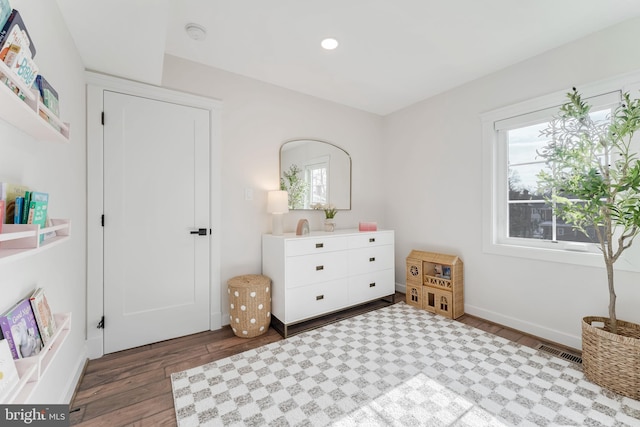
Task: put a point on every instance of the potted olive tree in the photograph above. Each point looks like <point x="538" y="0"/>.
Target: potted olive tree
<point x="593" y="183"/>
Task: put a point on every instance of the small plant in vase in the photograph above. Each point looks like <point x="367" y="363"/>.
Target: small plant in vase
<point x="330" y="212"/>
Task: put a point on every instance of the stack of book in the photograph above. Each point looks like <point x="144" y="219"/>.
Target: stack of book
<point x="28" y="325"/>
<point x="25" y="329"/>
<point x="49" y="97"/>
<point x="17" y="52"/>
<point x="24" y="206"/>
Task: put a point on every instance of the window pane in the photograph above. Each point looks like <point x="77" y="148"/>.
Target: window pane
<point x="526" y="219"/>
<point x="318" y="185"/>
<point x="523" y="181"/>
<point x="523" y="143"/>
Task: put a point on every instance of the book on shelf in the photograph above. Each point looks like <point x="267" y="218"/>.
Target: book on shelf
<point x="44" y="317"/>
<point x="17" y="51"/>
<point x="5" y="11"/>
<point x="15" y="20"/>
<point x="25" y="207"/>
<point x="19" y="206"/>
<point x="48" y="94"/>
<point x="38" y="210"/>
<point x="19" y="328"/>
<point x="9" y="192"/>
<point x="8" y="372"/>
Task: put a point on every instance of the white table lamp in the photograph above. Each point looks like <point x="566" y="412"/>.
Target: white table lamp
<point x="277" y="204"/>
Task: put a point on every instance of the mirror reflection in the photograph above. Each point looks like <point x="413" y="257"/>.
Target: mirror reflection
<point x="315" y="173"/>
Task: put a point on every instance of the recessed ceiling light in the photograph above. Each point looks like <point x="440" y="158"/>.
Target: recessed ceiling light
<point x="195" y="31"/>
<point x="329" y="43"/>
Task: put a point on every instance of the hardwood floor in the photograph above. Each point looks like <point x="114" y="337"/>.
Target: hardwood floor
<point x="133" y="387"/>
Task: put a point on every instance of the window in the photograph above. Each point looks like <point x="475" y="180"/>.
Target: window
<point x="317" y="179"/>
<point x="529" y="216"/>
<point x="520" y="216"/>
<point x="316" y="174"/>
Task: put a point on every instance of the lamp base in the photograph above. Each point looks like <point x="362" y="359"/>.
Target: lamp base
<point x="277" y="227"/>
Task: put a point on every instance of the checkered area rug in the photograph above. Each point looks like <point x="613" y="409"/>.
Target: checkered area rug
<point x="396" y="366"/>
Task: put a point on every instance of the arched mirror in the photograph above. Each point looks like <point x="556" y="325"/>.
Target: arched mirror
<point x="315" y="173"/>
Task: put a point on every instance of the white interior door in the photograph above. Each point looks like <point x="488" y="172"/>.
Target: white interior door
<point x="156" y="195"/>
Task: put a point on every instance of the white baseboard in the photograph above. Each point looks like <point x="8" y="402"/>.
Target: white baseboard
<point x="75" y="379"/>
<point x="401" y="287"/>
<point x="553" y="335"/>
<point x="225" y="319"/>
<point x="217" y="320"/>
<point x="95" y="348"/>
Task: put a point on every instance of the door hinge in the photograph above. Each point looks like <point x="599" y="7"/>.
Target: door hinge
<point x="102" y="118"/>
<point x="101" y="323"/>
<point x="102" y="220"/>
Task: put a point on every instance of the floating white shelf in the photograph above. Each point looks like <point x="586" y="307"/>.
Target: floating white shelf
<point x="21" y="240"/>
<point x="24" y="115"/>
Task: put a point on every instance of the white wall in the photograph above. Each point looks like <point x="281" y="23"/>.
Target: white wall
<point x="60" y="170"/>
<point x="256" y="119"/>
<point x="434" y="149"/>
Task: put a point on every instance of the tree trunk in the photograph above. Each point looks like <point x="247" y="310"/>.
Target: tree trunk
<point x="613" y="325"/>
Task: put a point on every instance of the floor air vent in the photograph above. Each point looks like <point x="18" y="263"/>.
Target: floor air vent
<point x="560" y="353"/>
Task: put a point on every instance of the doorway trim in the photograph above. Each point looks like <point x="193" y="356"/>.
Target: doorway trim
<point x="96" y="85"/>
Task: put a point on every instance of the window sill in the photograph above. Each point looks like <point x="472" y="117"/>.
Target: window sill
<point x="566" y="254"/>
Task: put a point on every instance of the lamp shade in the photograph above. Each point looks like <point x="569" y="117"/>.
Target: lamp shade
<point x="278" y="202"/>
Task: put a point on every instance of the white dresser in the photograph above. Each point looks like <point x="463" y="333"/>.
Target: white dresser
<point x="322" y="272"/>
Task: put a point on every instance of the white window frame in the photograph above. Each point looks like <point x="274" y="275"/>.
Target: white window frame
<point x="321" y="162"/>
<point x="495" y="181"/>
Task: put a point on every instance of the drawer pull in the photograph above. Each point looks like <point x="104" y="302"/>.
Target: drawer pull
<point x="372" y="259"/>
<point x="319" y="245"/>
<point x="319" y="267"/>
<point x="319" y="297"/>
<point x="372" y="285"/>
<point x="372" y="240"/>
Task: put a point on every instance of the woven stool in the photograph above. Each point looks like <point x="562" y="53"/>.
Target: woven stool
<point x="249" y="305"/>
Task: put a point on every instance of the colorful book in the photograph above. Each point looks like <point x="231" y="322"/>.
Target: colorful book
<point x="25" y="68"/>
<point x="48" y="94"/>
<point x="9" y="192"/>
<point x="25" y="207"/>
<point x="20" y="329"/>
<point x="8" y="372"/>
<point x="44" y="317"/>
<point x="19" y="206"/>
<point x="38" y="210"/>
<point x="16" y="20"/>
<point x="5" y="11"/>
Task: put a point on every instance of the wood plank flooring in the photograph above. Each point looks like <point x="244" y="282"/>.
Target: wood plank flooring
<point x="133" y="387"/>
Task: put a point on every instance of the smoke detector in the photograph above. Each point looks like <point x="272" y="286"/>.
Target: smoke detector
<point x="195" y="31"/>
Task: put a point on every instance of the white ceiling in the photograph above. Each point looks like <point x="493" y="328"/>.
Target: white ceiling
<point x="392" y="53"/>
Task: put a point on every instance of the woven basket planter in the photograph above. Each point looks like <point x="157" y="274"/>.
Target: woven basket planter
<point x="612" y="360"/>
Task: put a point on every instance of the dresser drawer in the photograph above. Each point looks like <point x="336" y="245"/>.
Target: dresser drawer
<point x="370" y="286"/>
<point x="366" y="240"/>
<point x="307" y="269"/>
<point x="315" y="245"/>
<point x="314" y="300"/>
<point x="367" y="260"/>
